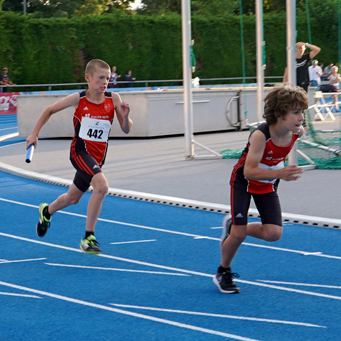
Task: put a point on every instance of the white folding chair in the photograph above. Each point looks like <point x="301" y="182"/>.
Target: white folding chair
<point x="321" y="104"/>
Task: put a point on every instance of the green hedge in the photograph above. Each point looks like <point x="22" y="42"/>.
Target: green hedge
<point x="56" y="50"/>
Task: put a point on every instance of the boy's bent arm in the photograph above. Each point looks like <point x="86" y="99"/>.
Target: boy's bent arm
<point x="252" y="171"/>
<point x="122" y="110"/>
<point x="63" y="103"/>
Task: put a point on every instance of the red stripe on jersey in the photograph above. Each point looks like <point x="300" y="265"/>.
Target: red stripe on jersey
<point x="232" y="204"/>
<point x="239" y="164"/>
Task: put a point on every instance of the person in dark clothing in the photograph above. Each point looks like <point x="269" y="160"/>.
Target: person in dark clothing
<point x="302" y="64"/>
<point x="129" y="78"/>
<point x="5" y="80"/>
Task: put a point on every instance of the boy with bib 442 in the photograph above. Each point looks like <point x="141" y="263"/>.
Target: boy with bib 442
<point x="257" y="174"/>
<point x="94" y="113"/>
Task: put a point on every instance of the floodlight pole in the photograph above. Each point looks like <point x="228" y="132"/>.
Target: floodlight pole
<point x="187" y="78"/>
<point x="291" y="59"/>
<point x="260" y="65"/>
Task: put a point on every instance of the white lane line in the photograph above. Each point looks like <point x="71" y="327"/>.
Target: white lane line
<point x="19" y="295"/>
<point x="311" y="293"/>
<point x="116" y="269"/>
<point x="8" y="136"/>
<point x="311" y="253"/>
<point x="302" y="284"/>
<point x="219" y="315"/>
<point x="124" y="312"/>
<point x="107" y="256"/>
<point x="172" y="268"/>
<point x="180" y="233"/>
<point x="134" y="241"/>
<point x="113" y="221"/>
<point x="2" y="261"/>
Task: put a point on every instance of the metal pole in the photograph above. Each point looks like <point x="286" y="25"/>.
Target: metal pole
<point x="187" y="78"/>
<point x="260" y="65"/>
<point x="25" y="7"/>
<point x="291" y="41"/>
<point x="291" y="59"/>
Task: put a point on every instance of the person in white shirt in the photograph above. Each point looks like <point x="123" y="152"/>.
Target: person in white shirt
<point x="334" y="79"/>
<point x="327" y="71"/>
<point x="315" y="73"/>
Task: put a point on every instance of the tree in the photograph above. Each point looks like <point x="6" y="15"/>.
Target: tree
<point x="214" y="7"/>
<point x="159" y="6"/>
<point x="205" y="7"/>
<point x="66" y="8"/>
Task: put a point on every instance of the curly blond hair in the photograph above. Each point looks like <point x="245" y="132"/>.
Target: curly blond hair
<point x="282" y="98"/>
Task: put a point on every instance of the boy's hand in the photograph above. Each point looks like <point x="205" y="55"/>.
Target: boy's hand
<point x="31" y="139"/>
<point x="290" y="173"/>
<point x="125" y="108"/>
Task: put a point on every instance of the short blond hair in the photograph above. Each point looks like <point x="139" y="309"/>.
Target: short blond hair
<point x="95" y="64"/>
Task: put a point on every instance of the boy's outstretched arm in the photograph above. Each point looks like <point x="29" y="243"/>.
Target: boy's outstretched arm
<point x="122" y="110"/>
<point x="63" y="103"/>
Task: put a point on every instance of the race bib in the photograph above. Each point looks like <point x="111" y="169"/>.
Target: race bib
<point x="94" y="130"/>
<point x="280" y="165"/>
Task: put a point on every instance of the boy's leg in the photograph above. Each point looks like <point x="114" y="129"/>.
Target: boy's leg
<point x="100" y="189"/>
<point x="100" y="186"/>
<point x="269" y="208"/>
<point x="270" y="229"/>
<point x="240" y="202"/>
<point x="72" y="196"/>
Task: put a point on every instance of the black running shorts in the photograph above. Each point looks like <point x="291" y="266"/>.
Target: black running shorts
<point x="86" y="167"/>
<point x="268" y="206"/>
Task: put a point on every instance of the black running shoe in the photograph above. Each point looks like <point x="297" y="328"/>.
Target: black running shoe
<point x="43" y="223"/>
<point x="227" y="223"/>
<point x="90" y="245"/>
<point x="225" y="283"/>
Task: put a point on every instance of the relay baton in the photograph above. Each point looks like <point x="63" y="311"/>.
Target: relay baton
<point x="29" y="154"/>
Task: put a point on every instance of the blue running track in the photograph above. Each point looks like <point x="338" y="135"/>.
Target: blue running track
<point x="153" y="280"/>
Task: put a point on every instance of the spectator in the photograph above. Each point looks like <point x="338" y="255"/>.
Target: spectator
<point x="302" y="62"/>
<point x="129" y="78"/>
<point x="5" y="80"/>
<point x="334" y="80"/>
<point x="113" y="78"/>
<point x="315" y="73"/>
<point x="327" y="72"/>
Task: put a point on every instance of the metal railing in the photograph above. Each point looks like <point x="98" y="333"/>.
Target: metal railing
<point x="143" y="83"/>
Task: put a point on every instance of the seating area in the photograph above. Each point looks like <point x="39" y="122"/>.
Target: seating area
<point x="324" y="105"/>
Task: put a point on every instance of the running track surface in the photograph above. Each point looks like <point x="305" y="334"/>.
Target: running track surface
<point x="153" y="280"/>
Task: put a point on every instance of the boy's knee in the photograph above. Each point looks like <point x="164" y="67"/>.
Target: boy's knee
<point x="239" y="232"/>
<point x="74" y="200"/>
<point x="275" y="233"/>
<point x="102" y="188"/>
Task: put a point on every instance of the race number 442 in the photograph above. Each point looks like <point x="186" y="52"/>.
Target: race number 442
<point x="94" y="130"/>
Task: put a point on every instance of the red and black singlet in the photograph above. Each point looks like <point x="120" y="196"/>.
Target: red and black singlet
<point x="92" y="123"/>
<point x="273" y="158"/>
